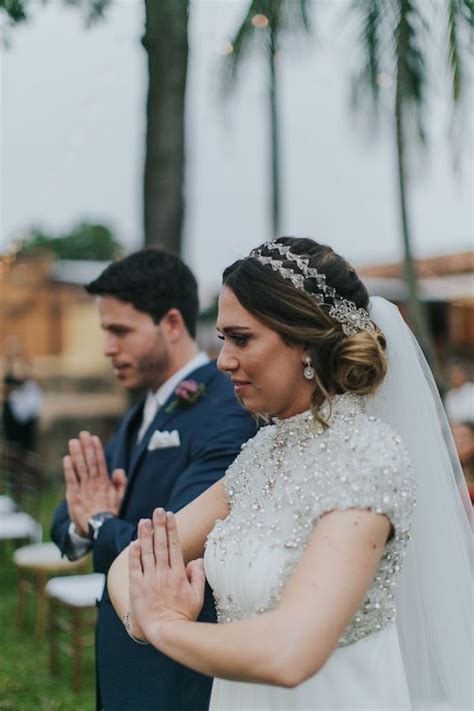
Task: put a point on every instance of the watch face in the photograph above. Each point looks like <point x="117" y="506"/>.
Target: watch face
<point x="96" y="521"/>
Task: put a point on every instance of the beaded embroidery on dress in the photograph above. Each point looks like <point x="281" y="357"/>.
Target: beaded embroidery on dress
<point x="285" y="479"/>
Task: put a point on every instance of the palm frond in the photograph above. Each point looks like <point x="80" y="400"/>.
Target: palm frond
<point x="16" y="10"/>
<point x="411" y="74"/>
<point x="241" y="44"/>
<point x="294" y="16"/>
<point x="366" y="80"/>
<point x="467" y="10"/>
<point x="454" y="56"/>
<point x="283" y="15"/>
<point x="93" y="10"/>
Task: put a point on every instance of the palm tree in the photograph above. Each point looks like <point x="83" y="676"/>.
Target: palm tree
<point x="166" y="42"/>
<point x="394" y="37"/>
<point x="264" y="22"/>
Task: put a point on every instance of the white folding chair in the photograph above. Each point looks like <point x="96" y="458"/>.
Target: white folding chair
<point x="39" y="561"/>
<point x="19" y="526"/>
<point x="7" y="505"/>
<point x="76" y="595"/>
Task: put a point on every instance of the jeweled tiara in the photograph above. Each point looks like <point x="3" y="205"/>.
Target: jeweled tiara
<point x="353" y="319"/>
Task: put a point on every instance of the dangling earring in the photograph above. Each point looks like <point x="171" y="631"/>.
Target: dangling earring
<point x="308" y="372"/>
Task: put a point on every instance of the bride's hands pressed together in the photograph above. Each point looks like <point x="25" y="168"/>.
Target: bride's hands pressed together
<point x="162" y="589"/>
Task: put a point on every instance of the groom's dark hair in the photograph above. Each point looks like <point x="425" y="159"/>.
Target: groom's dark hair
<point x="153" y="281"/>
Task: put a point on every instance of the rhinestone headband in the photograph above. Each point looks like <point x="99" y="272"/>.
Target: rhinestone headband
<point x="353" y="319"/>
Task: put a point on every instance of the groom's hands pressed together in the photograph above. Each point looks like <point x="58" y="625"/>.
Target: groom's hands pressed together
<point x="89" y="489"/>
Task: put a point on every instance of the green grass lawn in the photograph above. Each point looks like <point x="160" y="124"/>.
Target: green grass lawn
<point x="25" y="682"/>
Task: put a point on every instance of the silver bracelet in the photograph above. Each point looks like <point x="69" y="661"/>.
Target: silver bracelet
<point x="126" y="624"/>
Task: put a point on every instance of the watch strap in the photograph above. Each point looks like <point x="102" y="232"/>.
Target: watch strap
<point x="97" y="520"/>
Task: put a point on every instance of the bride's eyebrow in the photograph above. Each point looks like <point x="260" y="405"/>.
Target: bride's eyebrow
<point x="231" y="329"/>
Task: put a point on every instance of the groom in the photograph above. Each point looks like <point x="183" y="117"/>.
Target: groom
<point x="167" y="450"/>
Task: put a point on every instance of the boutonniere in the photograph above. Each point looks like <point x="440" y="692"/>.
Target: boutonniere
<point x="187" y="393"/>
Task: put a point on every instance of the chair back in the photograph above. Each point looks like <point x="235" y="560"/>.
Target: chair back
<point x="22" y="479"/>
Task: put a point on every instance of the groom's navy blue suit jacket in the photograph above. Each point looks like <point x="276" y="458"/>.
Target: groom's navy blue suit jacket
<point x="211" y="431"/>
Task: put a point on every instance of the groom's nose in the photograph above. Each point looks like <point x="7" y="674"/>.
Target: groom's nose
<point x="111" y="346"/>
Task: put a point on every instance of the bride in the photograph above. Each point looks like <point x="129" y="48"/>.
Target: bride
<point x="323" y="600"/>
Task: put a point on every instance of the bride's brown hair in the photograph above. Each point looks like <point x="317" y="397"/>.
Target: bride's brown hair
<point x="355" y="364"/>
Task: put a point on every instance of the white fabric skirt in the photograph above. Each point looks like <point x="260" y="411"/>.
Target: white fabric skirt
<point x="367" y="675"/>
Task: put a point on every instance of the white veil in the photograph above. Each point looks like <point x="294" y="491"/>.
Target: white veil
<point x="434" y="593"/>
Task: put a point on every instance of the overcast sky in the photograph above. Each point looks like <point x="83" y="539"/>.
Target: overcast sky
<point x="72" y="135"/>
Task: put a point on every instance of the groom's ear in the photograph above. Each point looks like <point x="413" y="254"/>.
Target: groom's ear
<point x="173" y="325"/>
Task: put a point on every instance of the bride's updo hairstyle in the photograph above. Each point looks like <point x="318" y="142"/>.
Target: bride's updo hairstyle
<point x="342" y="363"/>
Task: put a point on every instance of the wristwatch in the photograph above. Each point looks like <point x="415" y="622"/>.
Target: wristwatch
<point x="96" y="521"/>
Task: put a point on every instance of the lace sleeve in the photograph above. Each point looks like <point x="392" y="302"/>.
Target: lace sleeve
<point x="368" y="468"/>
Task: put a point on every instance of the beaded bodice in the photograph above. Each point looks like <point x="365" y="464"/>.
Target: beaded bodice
<point x="288" y="476"/>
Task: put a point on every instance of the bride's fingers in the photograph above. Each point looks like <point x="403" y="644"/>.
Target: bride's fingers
<point x="146" y="546"/>
<point x="196" y="575"/>
<point x="174" y="547"/>
<point x="134" y="562"/>
<point x="160" y="539"/>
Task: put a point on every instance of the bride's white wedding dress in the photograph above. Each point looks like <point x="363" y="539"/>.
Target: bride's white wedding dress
<point x="288" y="476"/>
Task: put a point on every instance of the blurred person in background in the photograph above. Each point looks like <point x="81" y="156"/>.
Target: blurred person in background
<point x="463" y="433"/>
<point x="21" y="409"/>
<point x="23" y="399"/>
<point x="170" y="447"/>
<point x="459" y="400"/>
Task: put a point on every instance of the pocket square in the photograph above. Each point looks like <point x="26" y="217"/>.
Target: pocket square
<point x="162" y="440"/>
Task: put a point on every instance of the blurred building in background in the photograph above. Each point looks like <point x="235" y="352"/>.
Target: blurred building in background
<point x="45" y="308"/>
<point x="446" y="287"/>
<point x="48" y="318"/>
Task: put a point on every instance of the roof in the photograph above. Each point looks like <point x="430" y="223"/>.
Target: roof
<point x="77" y="271"/>
<point x="444" y="288"/>
<point x="448" y="264"/>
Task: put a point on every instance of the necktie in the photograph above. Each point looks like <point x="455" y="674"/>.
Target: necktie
<point x="149" y="411"/>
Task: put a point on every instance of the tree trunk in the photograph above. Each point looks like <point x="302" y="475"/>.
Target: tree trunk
<point x="166" y="44"/>
<point x="275" y="154"/>
<point x="416" y="307"/>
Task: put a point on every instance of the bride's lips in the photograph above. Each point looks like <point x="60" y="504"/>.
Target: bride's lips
<point x="240" y="385"/>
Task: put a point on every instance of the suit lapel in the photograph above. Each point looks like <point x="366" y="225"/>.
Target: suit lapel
<point x="125" y="437"/>
<point x="202" y="374"/>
